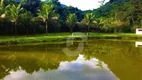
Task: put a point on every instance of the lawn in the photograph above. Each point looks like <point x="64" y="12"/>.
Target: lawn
<point x="56" y="38"/>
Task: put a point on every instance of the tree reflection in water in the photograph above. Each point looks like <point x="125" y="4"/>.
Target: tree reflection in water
<point x="122" y="58"/>
<point x="79" y="69"/>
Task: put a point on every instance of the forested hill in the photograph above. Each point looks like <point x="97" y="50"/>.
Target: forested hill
<point x="125" y="15"/>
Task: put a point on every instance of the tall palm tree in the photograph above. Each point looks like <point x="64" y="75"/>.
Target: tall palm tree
<point x="89" y="20"/>
<point x="14" y="13"/>
<point x="44" y="13"/>
<point x="71" y="21"/>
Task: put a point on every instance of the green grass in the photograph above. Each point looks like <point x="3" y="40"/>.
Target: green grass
<point x="63" y="36"/>
<point x="115" y="35"/>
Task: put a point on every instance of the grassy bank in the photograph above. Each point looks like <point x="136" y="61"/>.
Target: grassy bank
<point x="116" y="36"/>
<point x="56" y="38"/>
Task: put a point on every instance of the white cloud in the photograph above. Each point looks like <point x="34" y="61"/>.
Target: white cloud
<point x="83" y="4"/>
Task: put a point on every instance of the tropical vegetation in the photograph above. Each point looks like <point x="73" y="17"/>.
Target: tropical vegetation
<point x="26" y="17"/>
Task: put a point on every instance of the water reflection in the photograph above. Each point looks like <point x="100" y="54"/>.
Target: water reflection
<point x="138" y="44"/>
<point x="48" y="61"/>
<point x="79" y="69"/>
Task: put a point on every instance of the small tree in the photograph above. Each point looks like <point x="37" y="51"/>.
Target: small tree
<point x="44" y="13"/>
<point x="71" y="21"/>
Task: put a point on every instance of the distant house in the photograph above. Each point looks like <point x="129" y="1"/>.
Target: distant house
<point x="138" y="30"/>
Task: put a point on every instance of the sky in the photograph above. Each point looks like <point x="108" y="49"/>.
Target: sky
<point x="83" y="4"/>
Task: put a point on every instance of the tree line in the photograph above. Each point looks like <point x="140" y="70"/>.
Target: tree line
<point x="24" y="17"/>
<point x="33" y="17"/>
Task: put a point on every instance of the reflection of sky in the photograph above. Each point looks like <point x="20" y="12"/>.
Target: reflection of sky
<point x="138" y="44"/>
<point x="79" y="69"/>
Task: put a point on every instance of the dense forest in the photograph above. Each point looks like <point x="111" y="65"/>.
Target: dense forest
<point x="25" y="17"/>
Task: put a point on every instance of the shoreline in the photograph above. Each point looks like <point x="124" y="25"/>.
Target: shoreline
<point x="61" y="37"/>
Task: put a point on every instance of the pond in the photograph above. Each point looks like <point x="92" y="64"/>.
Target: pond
<point x="99" y="60"/>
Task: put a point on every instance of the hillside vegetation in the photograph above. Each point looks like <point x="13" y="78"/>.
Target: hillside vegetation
<point x="24" y="17"/>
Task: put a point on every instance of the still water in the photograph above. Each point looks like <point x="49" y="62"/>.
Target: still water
<point x="99" y="60"/>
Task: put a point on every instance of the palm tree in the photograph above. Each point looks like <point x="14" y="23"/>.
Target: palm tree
<point x="14" y="13"/>
<point x="71" y="21"/>
<point x="89" y="20"/>
<point x="44" y="13"/>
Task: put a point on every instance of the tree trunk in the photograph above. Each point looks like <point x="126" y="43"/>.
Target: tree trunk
<point x="115" y="30"/>
<point x="46" y="27"/>
<point x="54" y="29"/>
<point x="70" y="30"/>
<point x="58" y="29"/>
<point x="85" y="30"/>
<point x="132" y="19"/>
<point x="88" y="30"/>
<point x="27" y="31"/>
<point x="15" y="28"/>
<point x="34" y="31"/>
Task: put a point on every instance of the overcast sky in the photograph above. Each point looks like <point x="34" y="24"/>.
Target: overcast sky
<point x="83" y="4"/>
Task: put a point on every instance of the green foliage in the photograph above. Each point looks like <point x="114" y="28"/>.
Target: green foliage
<point x="13" y="12"/>
<point x="89" y="19"/>
<point x="2" y="14"/>
<point x="26" y="17"/>
<point x="71" y="21"/>
<point x="45" y="11"/>
<point x="7" y="2"/>
<point x="32" y="14"/>
<point x="111" y="24"/>
<point x="56" y="21"/>
<point x="31" y="5"/>
<point x="119" y="14"/>
<point x="114" y="16"/>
